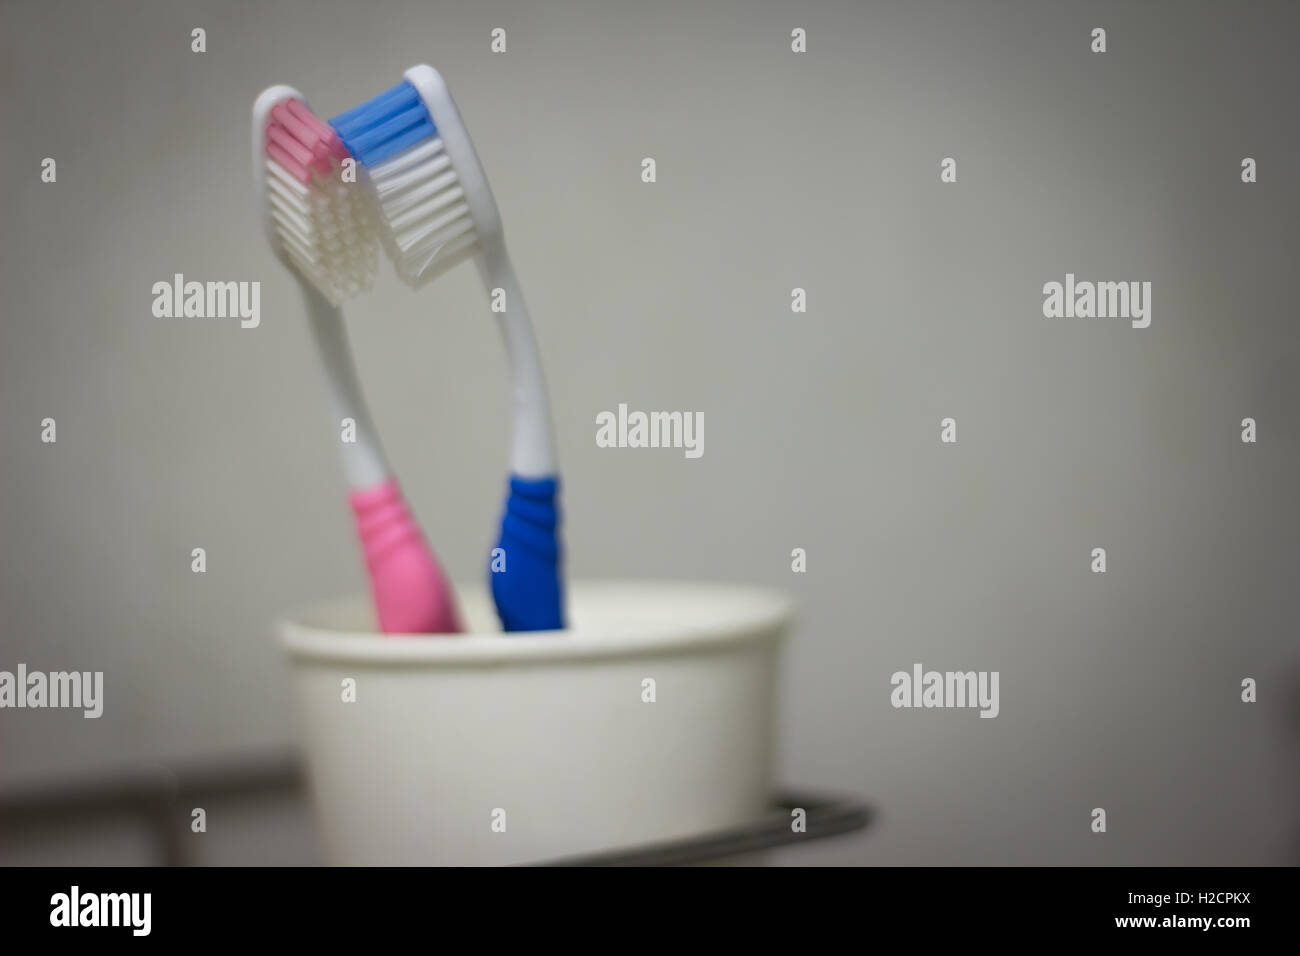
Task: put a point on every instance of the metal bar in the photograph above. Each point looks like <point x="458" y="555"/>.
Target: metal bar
<point x="826" y="817"/>
<point x="163" y="798"/>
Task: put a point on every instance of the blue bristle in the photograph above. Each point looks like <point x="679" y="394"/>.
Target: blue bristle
<point x="386" y="125"/>
<point x="398" y="98"/>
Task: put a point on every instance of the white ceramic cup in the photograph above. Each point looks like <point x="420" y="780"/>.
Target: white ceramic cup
<point x="486" y="748"/>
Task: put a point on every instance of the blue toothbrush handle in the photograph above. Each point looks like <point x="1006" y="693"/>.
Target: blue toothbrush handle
<point x="525" y="570"/>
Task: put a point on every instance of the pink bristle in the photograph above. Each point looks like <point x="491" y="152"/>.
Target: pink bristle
<point x="281" y="137"/>
<point x="296" y="127"/>
<point x="312" y="133"/>
<point x="303" y="142"/>
<point x="308" y="118"/>
<point x="328" y="137"/>
<point x="295" y="168"/>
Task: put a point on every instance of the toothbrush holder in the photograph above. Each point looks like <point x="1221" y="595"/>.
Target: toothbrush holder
<point x="650" y="718"/>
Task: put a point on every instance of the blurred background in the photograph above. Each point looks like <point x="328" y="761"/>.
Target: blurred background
<point x="775" y="170"/>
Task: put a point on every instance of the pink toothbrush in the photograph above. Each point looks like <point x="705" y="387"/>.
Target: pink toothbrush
<point x="322" y="228"/>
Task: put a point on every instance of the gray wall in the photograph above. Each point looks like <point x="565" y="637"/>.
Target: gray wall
<point x="775" y="170"/>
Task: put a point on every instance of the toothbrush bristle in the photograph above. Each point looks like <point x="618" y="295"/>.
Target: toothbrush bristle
<point x="425" y="223"/>
<point x="325" y="225"/>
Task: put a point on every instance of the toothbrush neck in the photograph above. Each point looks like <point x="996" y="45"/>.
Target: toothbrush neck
<point x="363" y="457"/>
<point x="533" y="452"/>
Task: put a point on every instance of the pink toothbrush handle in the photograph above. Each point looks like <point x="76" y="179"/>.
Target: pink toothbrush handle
<point x="411" y="593"/>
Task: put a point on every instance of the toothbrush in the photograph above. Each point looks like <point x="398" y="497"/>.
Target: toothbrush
<point x="436" y="210"/>
<point x="324" y="232"/>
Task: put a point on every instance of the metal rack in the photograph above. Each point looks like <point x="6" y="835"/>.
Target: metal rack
<point x="160" y="798"/>
<point x="826" y="817"/>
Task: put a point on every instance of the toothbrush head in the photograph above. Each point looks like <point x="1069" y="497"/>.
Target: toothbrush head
<point x="319" y="224"/>
<point x="435" y="207"/>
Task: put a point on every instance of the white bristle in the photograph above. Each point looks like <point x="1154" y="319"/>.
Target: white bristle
<point x="327" y="229"/>
<point x="426" y="225"/>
